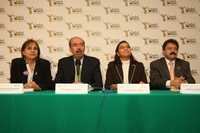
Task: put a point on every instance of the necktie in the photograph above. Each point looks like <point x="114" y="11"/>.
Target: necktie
<point x="171" y="70"/>
<point x="78" y="73"/>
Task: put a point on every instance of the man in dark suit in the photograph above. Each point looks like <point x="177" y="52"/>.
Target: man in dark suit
<point x="170" y="72"/>
<point x="79" y="68"/>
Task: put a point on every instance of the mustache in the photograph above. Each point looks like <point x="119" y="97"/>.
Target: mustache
<point x="172" y="53"/>
<point x="79" y="50"/>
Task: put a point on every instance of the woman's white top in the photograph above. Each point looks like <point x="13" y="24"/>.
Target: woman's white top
<point x="125" y="69"/>
<point x="30" y="73"/>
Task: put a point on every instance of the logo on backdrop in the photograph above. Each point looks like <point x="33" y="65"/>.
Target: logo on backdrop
<point x="167" y="33"/>
<point x="151" y="41"/>
<point x="16" y="2"/>
<point x="13" y="33"/>
<point x="55" y="33"/>
<point x="71" y="10"/>
<point x="136" y="49"/>
<point x="150" y="26"/>
<point x="188" y="41"/>
<point x="93" y="2"/>
<point x="55" y="3"/>
<point x="33" y="10"/>
<point x="110" y="10"/>
<point x="90" y="49"/>
<point x="91" y="33"/>
<point x="169" y="2"/>
<point x="150" y="56"/>
<point x="188" y="56"/>
<point x="92" y="18"/>
<point x="53" y="49"/>
<point x="111" y="41"/>
<point x="54" y="18"/>
<point x="14" y="49"/>
<point x="33" y="26"/>
<point x="149" y="10"/>
<point x="131" y="33"/>
<point x="188" y="10"/>
<point x="131" y="18"/>
<point x="72" y="26"/>
<point x="187" y="25"/>
<point x="131" y="2"/>
<point x="112" y="26"/>
<point x="14" y="18"/>
<point x="167" y="18"/>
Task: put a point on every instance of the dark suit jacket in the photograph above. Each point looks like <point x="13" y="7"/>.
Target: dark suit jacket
<point x="42" y="73"/>
<point x="159" y="72"/>
<point x="114" y="74"/>
<point x="90" y="72"/>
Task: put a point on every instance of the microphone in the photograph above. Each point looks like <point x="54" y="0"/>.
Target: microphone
<point x="78" y="64"/>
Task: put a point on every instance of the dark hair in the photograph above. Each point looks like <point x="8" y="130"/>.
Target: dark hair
<point x="70" y="41"/>
<point x="173" y="41"/>
<point x="25" y="45"/>
<point x="117" y="58"/>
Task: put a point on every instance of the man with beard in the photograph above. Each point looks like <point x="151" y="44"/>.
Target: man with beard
<point x="169" y="72"/>
<point x="79" y="68"/>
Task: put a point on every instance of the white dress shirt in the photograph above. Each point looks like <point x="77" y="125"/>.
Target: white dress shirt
<point x="125" y="69"/>
<point x="168" y="82"/>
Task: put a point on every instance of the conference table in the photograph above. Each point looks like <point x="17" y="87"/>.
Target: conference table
<point x="100" y="112"/>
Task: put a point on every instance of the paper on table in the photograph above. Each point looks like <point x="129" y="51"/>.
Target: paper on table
<point x="190" y="88"/>
<point x="28" y="89"/>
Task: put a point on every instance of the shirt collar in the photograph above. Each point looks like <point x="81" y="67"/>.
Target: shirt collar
<point x="168" y="61"/>
<point x="80" y="60"/>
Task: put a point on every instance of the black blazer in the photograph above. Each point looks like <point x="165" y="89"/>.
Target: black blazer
<point x="90" y="72"/>
<point x="114" y="74"/>
<point x="42" y="73"/>
<point x="159" y="72"/>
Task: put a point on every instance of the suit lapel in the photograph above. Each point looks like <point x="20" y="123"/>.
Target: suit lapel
<point x="71" y="68"/>
<point x="177" y="69"/>
<point x="118" y="68"/>
<point x="24" y="71"/>
<point x="36" y="69"/>
<point x="165" y="69"/>
<point x="83" y="68"/>
<point x="131" y="74"/>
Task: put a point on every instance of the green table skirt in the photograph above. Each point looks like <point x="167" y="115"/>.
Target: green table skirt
<point x="100" y="112"/>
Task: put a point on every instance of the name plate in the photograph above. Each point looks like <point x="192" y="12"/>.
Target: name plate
<point x="133" y="89"/>
<point x="65" y="88"/>
<point x="11" y="88"/>
<point x="190" y="88"/>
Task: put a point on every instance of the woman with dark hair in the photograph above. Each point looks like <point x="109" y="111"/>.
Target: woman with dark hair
<point x="31" y="70"/>
<point x="124" y="68"/>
